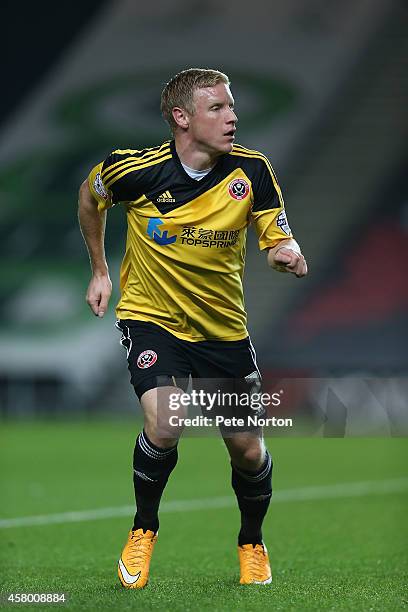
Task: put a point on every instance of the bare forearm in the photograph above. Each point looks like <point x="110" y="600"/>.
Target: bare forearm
<point x="92" y="224"/>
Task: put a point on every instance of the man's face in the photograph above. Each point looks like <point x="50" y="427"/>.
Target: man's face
<point x="213" y="124"/>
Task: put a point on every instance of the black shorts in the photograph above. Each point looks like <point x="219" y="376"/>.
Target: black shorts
<point x="157" y="358"/>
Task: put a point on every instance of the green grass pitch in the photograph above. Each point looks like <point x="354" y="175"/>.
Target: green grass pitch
<point x="345" y="552"/>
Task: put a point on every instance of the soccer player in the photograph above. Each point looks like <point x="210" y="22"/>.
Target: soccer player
<point x="189" y="202"/>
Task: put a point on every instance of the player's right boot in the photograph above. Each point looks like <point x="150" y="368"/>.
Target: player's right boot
<point x="134" y="563"/>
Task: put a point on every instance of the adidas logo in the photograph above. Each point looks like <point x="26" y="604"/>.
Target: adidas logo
<point x="166" y="197"/>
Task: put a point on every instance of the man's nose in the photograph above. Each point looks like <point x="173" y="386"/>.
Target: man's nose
<point x="232" y="117"/>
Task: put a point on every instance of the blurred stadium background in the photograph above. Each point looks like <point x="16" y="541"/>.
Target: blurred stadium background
<point x="320" y="87"/>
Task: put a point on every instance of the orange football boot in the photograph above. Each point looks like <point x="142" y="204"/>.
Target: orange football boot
<point x="254" y="564"/>
<point x="134" y="563"/>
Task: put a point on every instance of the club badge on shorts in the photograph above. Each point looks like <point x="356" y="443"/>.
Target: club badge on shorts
<point x="238" y="189"/>
<point x="146" y="359"/>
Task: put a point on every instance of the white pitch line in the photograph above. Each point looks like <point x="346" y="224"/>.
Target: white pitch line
<point x="346" y="489"/>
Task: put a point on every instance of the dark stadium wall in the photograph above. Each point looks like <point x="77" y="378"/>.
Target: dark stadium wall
<point x="35" y="40"/>
<point x="362" y="311"/>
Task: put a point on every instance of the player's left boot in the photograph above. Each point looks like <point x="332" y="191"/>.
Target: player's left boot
<point x="254" y="564"/>
<point x="134" y="563"/>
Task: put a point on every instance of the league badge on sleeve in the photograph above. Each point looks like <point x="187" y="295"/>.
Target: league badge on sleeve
<point x="100" y="187"/>
<point x="282" y="223"/>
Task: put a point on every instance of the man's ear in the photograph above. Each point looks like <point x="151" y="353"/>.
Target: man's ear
<point x="181" y="117"/>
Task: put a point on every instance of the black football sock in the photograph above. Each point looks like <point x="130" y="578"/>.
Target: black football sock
<point x="152" y="467"/>
<point x="253" y="491"/>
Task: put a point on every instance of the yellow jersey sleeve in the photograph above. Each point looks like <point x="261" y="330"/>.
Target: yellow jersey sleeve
<point x="101" y="194"/>
<point x="123" y="176"/>
<point x="271" y="226"/>
<point x="268" y="210"/>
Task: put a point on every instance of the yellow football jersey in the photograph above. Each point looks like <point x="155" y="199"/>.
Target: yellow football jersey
<point x="185" y="248"/>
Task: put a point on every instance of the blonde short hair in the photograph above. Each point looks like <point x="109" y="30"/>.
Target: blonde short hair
<point x="180" y="89"/>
